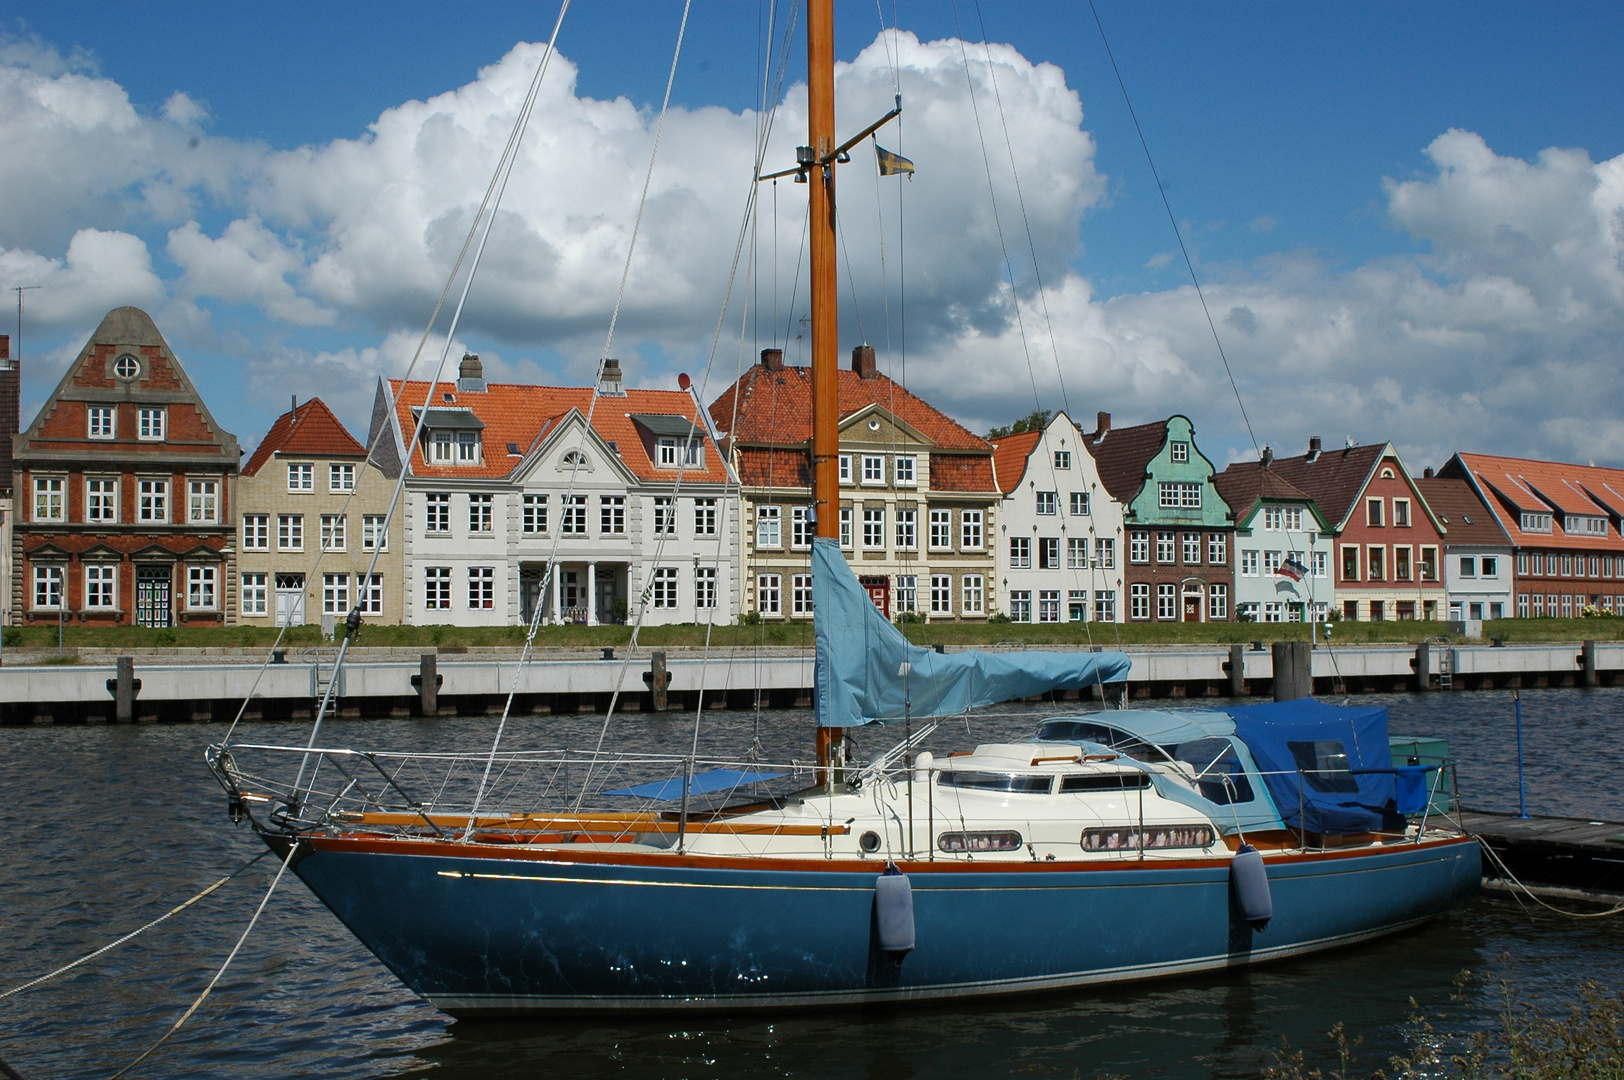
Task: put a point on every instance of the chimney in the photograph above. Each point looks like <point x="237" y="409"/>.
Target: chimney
<point x="1427" y="472"/>
<point x="1268" y="456"/>
<point x="1102" y="423"/>
<point x="295" y="406"/>
<point x="772" y="359"/>
<point x="862" y="362"/>
<point x="5" y="350"/>
<point x="471" y="375"/>
<point x="1313" y="449"/>
<point x="609" y="381"/>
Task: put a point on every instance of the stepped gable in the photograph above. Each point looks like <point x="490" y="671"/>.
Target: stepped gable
<point x="1509" y="486"/>
<point x="310" y="429"/>
<point x="1466" y="517"/>
<point x="1333" y="478"/>
<point x="524" y="414"/>
<point x="1121" y="455"/>
<point x="1245" y="483"/>
<point x="1009" y="458"/>
<point x="191" y="432"/>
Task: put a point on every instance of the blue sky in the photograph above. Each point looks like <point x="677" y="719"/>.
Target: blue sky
<point x="1374" y="275"/>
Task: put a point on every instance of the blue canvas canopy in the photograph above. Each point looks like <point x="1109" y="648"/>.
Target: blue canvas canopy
<point x="867" y="672"/>
<point x="1327" y="766"/>
<point x="1240" y="799"/>
<point x="701" y="783"/>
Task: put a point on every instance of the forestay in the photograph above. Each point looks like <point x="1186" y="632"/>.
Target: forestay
<point x="867" y="672"/>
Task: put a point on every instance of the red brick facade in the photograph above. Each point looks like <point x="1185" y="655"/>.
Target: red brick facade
<point x="124" y="487"/>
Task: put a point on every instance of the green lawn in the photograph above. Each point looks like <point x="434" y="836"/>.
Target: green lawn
<point x="1512" y="630"/>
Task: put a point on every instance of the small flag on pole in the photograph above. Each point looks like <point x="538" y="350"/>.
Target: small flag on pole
<point x="1292" y="569"/>
<point x="893" y="164"/>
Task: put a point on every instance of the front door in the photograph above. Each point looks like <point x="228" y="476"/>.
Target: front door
<point x="290" y="599"/>
<point x="879" y="591"/>
<point x="574" y="598"/>
<point x="604" y="594"/>
<point x="1192" y="606"/>
<point x="152" y="595"/>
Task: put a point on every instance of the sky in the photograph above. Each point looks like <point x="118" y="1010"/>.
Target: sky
<point x="1407" y="220"/>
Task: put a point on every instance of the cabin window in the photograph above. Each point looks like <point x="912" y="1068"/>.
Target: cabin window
<point x="1324" y="765"/>
<point x="994" y="781"/>
<point x="979" y="841"/>
<point x="1122" y="781"/>
<point x="1152" y="839"/>
<point x="1217" y="769"/>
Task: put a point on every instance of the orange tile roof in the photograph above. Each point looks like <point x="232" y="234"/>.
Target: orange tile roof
<point x="775" y="407"/>
<point x="521" y="414"/>
<point x="1009" y="457"/>
<point x="961" y="472"/>
<point x="1512" y="485"/>
<point x="310" y="429"/>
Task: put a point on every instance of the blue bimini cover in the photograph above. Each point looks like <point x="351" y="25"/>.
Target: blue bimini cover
<point x="1328" y="767"/>
<point x="867" y="672"/>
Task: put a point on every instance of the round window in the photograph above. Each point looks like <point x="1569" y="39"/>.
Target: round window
<point x="126" y="367"/>
<point x="869" y="842"/>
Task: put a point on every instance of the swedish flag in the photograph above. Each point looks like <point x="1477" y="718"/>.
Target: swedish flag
<point x="893" y="164"/>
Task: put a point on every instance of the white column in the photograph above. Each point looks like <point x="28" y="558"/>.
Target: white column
<point x="557" y="585"/>
<point x="592" y="594"/>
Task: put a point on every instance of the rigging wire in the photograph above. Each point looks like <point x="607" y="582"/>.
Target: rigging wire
<point x="1189" y="263"/>
<point x="110" y="946"/>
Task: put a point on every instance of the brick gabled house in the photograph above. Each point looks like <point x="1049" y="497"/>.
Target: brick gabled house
<point x="1388" y="540"/>
<point x="1179" y="533"/>
<point x="125" y="485"/>
<point x="1565" y="524"/>
<point x="311" y="512"/>
<point x="918" y="501"/>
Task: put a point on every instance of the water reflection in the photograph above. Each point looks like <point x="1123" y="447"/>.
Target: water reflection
<point x="108" y="827"/>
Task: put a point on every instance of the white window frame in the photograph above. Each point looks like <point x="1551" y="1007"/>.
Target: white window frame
<point x="1020" y="605"/>
<point x="101" y="500"/>
<point x="335" y="530"/>
<point x="769" y="527"/>
<point x="1020" y="553"/>
<point x="1079" y="504"/>
<point x="972" y="594"/>
<point x="907" y="530"/>
<point x="1167" y="602"/>
<point x="1217" y="549"/>
<point x="151" y="423"/>
<point x="665" y="517"/>
<point x="769" y="594"/>
<point x="663" y="588"/>
<point x="437" y="513"/>
<point x="611" y="515"/>
<point x="301" y="476"/>
<point x="50" y="498"/>
<point x="801" y="528"/>
<point x="101" y="586"/>
<point x="533" y="520"/>
<point x="705" y="587"/>
<point x="941" y="594"/>
<point x="846" y="529"/>
<point x="1076" y="553"/>
<point x="704" y="517"/>
<point x="845" y="468"/>
<point x="254" y="593"/>
<point x="442" y="447"/>
<point x="1105" y="553"/>
<point x="903" y="467"/>
<point x="101" y="422"/>
<point x="941" y="530"/>
<point x="369" y="593"/>
<point x="873" y="528"/>
<point x="1139" y="601"/>
<point x="335" y="594"/>
<point x="1179" y="451"/>
<point x="374" y="537"/>
<point x="469" y="448"/>
<point x="49" y="580"/>
<point x="1062" y="459"/>
<point x="972" y="536"/>
<point x="256" y="532"/>
<point x="1048" y="605"/>
<point x="482" y="514"/>
<point x="152" y="501"/>
<point x="1048" y="503"/>
<point x="481" y="588"/>
<point x="290" y="532"/>
<point x="203" y="502"/>
<point x="202" y="588"/>
<point x="341" y="476"/>
<point x="873" y="470"/>
<point x="907" y="593"/>
<point x="800" y="594"/>
<point x="572" y="515"/>
<point x="437" y="588"/>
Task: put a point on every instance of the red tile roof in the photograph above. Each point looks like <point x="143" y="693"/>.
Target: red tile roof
<point x="775" y="407"/>
<point x="1122" y="454"/>
<point x="1468" y="520"/>
<point x="1334" y="478"/>
<point x="522" y="414"/>
<point x="1009" y="457"/>
<point x="1512" y="485"/>
<point x="961" y="472"/>
<point x="775" y="467"/>
<point x="310" y="429"/>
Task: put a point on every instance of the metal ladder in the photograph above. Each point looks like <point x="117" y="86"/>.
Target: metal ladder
<point x="323" y="664"/>
<point x="1446" y="662"/>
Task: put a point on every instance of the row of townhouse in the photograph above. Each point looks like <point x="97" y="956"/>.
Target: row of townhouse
<point x="130" y="507"/>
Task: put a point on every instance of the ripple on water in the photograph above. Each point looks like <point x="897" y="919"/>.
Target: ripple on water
<point x="107" y="827"/>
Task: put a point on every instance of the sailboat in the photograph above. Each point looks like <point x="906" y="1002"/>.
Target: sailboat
<point x="1110" y="846"/>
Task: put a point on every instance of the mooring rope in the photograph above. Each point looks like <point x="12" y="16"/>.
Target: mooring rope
<point x="65" y="968"/>
<point x="1495" y="858"/>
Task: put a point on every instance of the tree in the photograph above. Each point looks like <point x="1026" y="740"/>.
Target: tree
<point x="1036" y="420"/>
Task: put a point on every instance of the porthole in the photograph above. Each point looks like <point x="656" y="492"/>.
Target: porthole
<point x="869" y="842"/>
<point x="126" y="367"/>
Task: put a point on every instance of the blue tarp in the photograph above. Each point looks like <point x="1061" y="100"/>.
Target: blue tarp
<point x="699" y="784"/>
<point x="1324" y="763"/>
<point x="867" y="672"/>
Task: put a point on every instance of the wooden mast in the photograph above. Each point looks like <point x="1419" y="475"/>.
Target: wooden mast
<point x="820" y="80"/>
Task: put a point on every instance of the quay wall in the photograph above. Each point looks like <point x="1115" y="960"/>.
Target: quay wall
<point x="211" y="684"/>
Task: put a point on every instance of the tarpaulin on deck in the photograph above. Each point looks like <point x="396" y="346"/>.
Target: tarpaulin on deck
<point x="701" y="783"/>
<point x="867" y="672"/>
<point x="1327" y="767"/>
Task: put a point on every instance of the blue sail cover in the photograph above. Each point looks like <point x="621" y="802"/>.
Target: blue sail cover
<point x="1328" y="767"/>
<point x="867" y="672"/>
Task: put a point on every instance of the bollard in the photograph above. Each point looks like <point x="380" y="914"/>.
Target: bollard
<point x="1237" y="671"/>
<point x="1293" y="676"/>
<point x="124" y="693"/>
<point x="1587" y="661"/>
<point x="1423" y="666"/>
<point x="659" y="681"/>
<point x="428" y="685"/>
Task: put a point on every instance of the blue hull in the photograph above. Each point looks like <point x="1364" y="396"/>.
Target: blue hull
<point x="505" y="934"/>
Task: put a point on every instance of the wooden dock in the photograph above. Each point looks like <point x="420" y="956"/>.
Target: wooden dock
<point x="1574" y="855"/>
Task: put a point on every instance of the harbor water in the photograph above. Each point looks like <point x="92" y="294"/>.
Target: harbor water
<point x="107" y="827"/>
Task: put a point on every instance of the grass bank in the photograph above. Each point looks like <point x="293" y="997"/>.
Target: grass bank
<point x="1512" y="631"/>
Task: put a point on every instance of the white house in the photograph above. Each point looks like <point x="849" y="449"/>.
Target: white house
<point x="1477" y="551"/>
<point x="636" y="510"/>
<point x="1278" y="529"/>
<point x="1059" y="542"/>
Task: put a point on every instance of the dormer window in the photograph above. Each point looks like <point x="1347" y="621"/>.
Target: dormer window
<point x="442" y="447"/>
<point x="1533" y="522"/>
<point x="672" y="454"/>
<point x="467" y="448"/>
<point x="1584" y="525"/>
